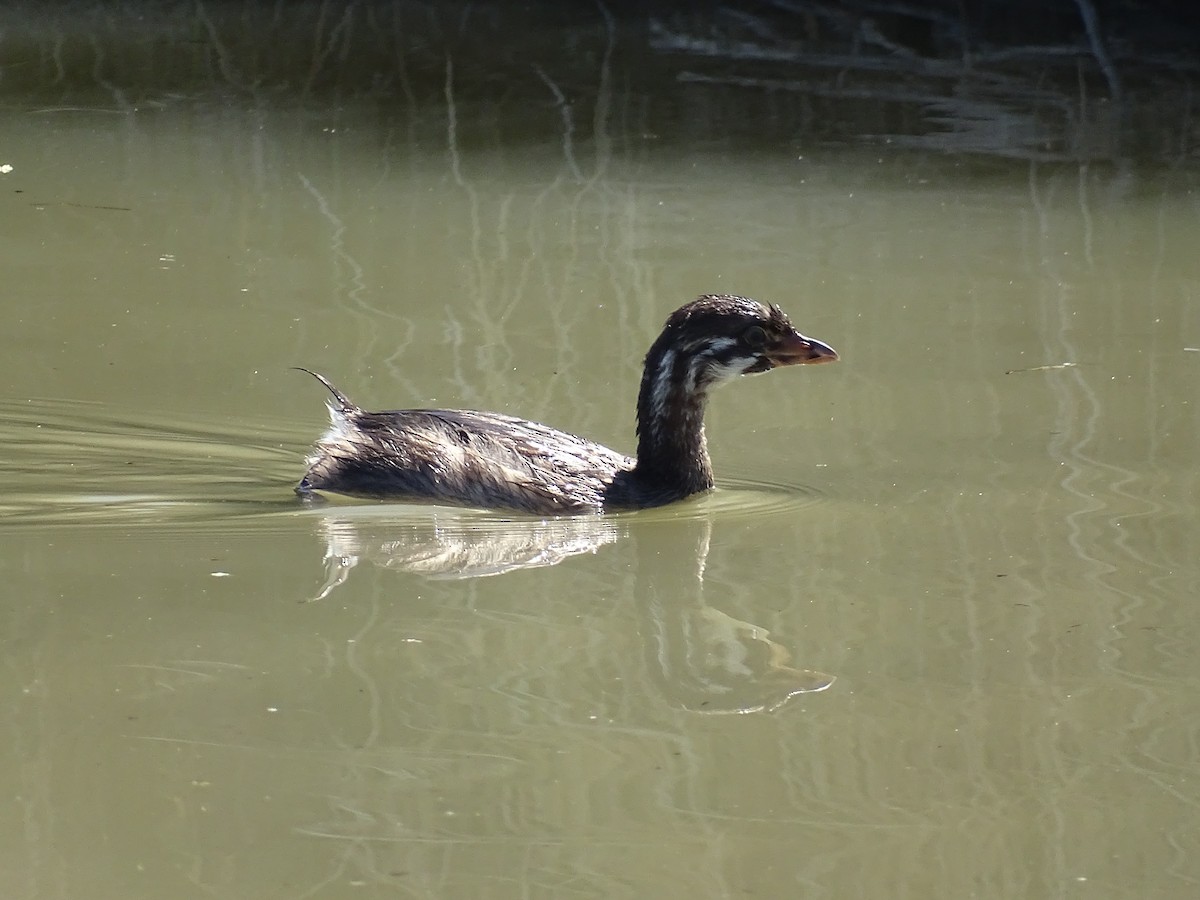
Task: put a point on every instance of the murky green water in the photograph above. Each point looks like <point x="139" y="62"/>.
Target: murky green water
<point x="933" y="636"/>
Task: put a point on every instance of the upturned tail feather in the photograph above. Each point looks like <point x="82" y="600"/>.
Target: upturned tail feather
<point x="344" y="402"/>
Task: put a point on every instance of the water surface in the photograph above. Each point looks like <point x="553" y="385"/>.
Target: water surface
<point x="932" y="635"/>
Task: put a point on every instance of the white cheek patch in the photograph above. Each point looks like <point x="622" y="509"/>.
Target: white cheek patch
<point x="725" y="370"/>
<point x="707" y="368"/>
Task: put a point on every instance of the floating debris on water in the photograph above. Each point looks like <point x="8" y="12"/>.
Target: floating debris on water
<point x="1070" y="365"/>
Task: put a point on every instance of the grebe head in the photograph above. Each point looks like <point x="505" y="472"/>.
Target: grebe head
<point x="718" y="337"/>
<point x="704" y="343"/>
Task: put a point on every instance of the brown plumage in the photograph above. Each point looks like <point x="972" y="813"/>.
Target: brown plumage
<point x="483" y="459"/>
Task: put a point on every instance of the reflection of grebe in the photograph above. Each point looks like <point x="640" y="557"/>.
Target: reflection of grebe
<point x="449" y="544"/>
<point x="491" y="460"/>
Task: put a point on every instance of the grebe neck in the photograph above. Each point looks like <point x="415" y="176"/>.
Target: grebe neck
<point x="672" y="450"/>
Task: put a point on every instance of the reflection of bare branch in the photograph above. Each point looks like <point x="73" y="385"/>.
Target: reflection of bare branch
<point x="1092" y="23"/>
<point x="343" y="30"/>
<point x="564" y="109"/>
<point x="604" y="98"/>
<point x="225" y="62"/>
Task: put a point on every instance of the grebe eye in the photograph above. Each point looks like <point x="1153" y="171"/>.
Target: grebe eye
<point x="755" y="337"/>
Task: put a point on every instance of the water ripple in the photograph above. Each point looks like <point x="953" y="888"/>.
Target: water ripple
<point x="68" y="463"/>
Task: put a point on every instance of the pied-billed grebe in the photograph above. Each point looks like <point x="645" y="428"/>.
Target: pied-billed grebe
<point x="484" y="459"/>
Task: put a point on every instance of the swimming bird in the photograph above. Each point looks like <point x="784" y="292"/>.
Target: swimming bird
<point x="490" y="460"/>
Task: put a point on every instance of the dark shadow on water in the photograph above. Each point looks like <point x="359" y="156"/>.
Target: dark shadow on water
<point x="1075" y="81"/>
